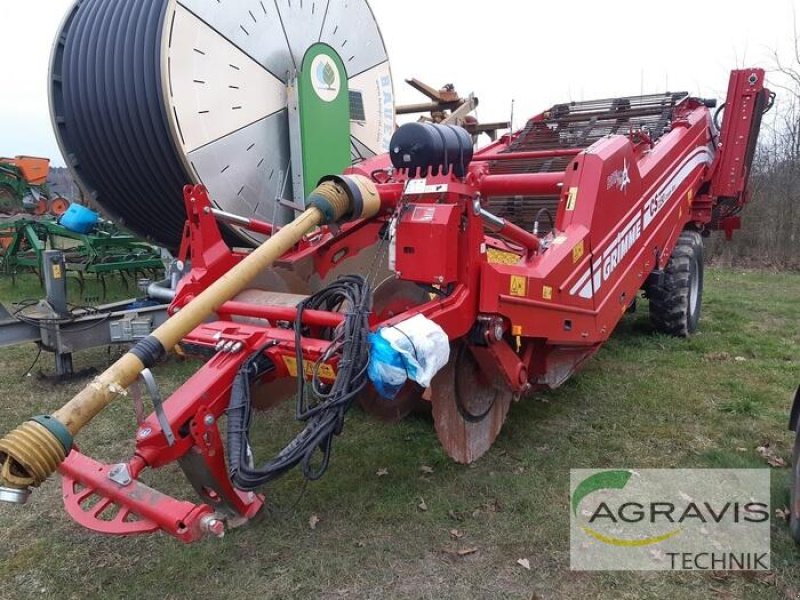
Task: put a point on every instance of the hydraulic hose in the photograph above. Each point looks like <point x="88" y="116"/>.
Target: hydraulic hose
<point x="324" y="417"/>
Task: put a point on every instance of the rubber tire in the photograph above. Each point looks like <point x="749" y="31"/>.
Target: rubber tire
<point x="794" y="483"/>
<point x="794" y="510"/>
<point x="672" y="310"/>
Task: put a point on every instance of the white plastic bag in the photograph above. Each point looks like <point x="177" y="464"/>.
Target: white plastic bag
<point x="423" y="349"/>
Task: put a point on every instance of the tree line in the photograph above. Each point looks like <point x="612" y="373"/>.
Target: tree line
<point x="771" y="219"/>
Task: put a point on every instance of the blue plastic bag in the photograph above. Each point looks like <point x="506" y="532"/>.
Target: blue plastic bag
<point x="387" y="369"/>
<point x="415" y="349"/>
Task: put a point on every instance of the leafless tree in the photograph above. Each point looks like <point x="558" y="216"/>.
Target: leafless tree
<point x="772" y="218"/>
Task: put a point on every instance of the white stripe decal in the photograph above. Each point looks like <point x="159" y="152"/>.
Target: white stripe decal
<point x="622" y="243"/>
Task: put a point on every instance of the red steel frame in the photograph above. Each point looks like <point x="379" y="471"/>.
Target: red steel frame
<point x="557" y="302"/>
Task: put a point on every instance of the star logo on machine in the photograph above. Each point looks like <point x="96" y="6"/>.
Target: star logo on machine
<point x="625" y="178"/>
<point x="325" y="78"/>
<point x="620" y="178"/>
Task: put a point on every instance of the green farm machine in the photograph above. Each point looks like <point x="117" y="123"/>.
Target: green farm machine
<point x="23" y="187"/>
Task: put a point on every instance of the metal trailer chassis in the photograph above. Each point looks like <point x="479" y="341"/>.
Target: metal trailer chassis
<point x="62" y="332"/>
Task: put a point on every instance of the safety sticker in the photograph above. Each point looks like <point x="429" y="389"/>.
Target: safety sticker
<point x="519" y="286"/>
<point x="501" y="257"/>
<point x="578" y="251"/>
<point x="547" y="292"/>
<point x="325" y="370"/>
<point x="423" y="214"/>
<point x="572" y="199"/>
<point x="416" y="186"/>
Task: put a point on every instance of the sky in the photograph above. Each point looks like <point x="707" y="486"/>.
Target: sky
<point x="532" y="53"/>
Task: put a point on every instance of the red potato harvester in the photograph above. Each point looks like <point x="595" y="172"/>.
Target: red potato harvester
<point x="619" y="209"/>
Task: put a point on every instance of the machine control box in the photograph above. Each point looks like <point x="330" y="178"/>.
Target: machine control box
<point x="427" y="243"/>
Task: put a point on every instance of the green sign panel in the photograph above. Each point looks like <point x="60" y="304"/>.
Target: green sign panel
<point x="324" y="110"/>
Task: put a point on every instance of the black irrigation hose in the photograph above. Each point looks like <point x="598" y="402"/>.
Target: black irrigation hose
<point x="324" y="413"/>
<point x="107" y="104"/>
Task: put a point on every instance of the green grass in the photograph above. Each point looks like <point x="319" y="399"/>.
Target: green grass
<point x="91" y="290"/>
<point x="644" y="401"/>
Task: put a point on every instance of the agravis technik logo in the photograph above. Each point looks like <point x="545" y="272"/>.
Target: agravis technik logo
<point x="664" y="519"/>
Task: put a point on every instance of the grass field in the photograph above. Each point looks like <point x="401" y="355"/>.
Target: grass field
<point x="644" y="401"/>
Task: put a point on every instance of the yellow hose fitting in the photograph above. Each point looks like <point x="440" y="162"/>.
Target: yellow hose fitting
<point x="29" y="455"/>
<point x="349" y="197"/>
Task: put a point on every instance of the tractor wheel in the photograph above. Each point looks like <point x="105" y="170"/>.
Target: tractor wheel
<point x="794" y="489"/>
<point x="40" y="208"/>
<point x="675" y="300"/>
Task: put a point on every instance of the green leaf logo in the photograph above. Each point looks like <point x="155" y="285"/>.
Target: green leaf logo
<point x="611" y="480"/>
<point x="328" y="75"/>
<point x="607" y="480"/>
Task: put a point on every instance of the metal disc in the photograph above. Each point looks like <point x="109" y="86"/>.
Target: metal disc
<point x="58" y="206"/>
<point x="468" y="410"/>
<point x="225" y="67"/>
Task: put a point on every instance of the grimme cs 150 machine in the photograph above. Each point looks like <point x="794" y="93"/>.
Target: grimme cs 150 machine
<point x="525" y="255"/>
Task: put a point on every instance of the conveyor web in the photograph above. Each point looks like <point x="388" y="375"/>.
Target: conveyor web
<point x="575" y="125"/>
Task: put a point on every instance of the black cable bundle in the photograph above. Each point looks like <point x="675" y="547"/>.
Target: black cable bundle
<point x="325" y="410"/>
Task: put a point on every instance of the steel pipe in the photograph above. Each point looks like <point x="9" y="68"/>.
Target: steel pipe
<point x="161" y="290"/>
<point x="251" y="224"/>
<point x="281" y="313"/>
<point x="508" y="230"/>
<point x="533" y="154"/>
<point x="528" y="184"/>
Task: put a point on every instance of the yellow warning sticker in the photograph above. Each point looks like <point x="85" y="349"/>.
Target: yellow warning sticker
<point x="519" y="286"/>
<point x="578" y="251"/>
<point x="325" y="370"/>
<point x="572" y="199"/>
<point x="547" y="292"/>
<point x="56" y="271"/>
<point x="501" y="257"/>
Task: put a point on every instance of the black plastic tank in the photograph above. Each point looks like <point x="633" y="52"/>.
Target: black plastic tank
<point x="424" y="149"/>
